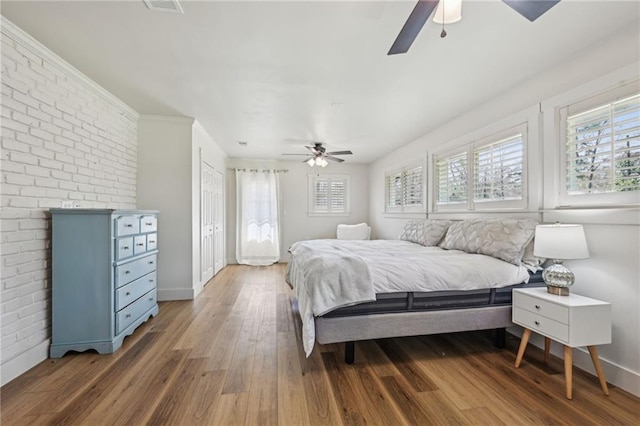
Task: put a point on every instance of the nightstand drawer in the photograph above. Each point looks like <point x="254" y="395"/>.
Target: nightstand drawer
<point x="540" y="324"/>
<point x="542" y="307"/>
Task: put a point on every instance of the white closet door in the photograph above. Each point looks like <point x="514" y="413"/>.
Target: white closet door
<point x="207" y="220"/>
<point x="218" y="221"/>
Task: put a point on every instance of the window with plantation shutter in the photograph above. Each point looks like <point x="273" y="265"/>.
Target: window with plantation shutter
<point x="328" y="195"/>
<point x="488" y="174"/>
<point x="451" y="179"/>
<point x="498" y="170"/>
<point x="602" y="150"/>
<point x="404" y="190"/>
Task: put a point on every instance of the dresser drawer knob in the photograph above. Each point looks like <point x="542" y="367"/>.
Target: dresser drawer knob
<point x="127" y="272"/>
<point x="140" y="244"/>
<point x="536" y="322"/>
<point x="148" y="223"/>
<point x="150" y="280"/>
<point x="128" y="316"/>
<point x="151" y="242"/>
<point x="125" y="248"/>
<point x="127" y="294"/>
<point x="128" y="225"/>
<point x="151" y="262"/>
<point x="537" y="306"/>
<point x="151" y="299"/>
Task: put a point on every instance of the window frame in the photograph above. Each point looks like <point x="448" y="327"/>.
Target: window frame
<point x="402" y="207"/>
<point x="470" y="149"/>
<point x="603" y="99"/>
<point x="312" y="179"/>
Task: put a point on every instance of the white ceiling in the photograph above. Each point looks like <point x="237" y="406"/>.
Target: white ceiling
<point x="268" y="72"/>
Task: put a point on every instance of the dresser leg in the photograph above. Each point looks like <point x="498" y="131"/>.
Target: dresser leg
<point x="547" y="348"/>
<point x="593" y="351"/>
<point x="568" y="370"/>
<point x="523" y="345"/>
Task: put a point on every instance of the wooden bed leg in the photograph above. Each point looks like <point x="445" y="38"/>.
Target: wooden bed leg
<point x="349" y="352"/>
<point x="501" y="338"/>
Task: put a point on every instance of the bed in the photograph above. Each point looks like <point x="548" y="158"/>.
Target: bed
<point x="421" y="284"/>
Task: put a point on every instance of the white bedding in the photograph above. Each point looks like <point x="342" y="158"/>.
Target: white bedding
<point x="329" y="274"/>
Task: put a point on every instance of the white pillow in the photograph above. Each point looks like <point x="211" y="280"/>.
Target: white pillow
<point x="427" y="232"/>
<point x="361" y="231"/>
<point x="503" y="239"/>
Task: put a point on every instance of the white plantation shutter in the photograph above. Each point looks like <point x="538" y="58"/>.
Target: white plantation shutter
<point x="404" y="189"/>
<point x="498" y="169"/>
<point x="412" y="187"/>
<point x="328" y="194"/>
<point x="451" y="179"/>
<point x="603" y="148"/>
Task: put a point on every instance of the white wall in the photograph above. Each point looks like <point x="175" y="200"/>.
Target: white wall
<point x="64" y="140"/>
<point x="612" y="272"/>
<point x="170" y="151"/>
<point x="296" y="224"/>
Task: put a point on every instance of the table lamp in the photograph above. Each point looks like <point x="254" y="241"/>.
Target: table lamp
<point x="559" y="242"/>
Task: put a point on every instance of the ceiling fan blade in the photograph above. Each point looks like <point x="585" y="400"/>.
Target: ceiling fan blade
<point x="312" y="149"/>
<point x="339" y="153"/>
<point x="336" y="159"/>
<point x="306" y="155"/>
<point x="412" y="27"/>
<point x="531" y="9"/>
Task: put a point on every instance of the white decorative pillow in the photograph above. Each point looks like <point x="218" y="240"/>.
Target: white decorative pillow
<point x="427" y="232"/>
<point x="504" y="239"/>
<point x="361" y="231"/>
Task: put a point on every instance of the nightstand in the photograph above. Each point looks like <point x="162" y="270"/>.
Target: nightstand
<point x="571" y="320"/>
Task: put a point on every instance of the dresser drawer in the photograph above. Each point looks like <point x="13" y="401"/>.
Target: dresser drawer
<point x="148" y="224"/>
<point x="135" y="269"/>
<point x="140" y="244"/>
<point x="542" y="307"/>
<point x="540" y="324"/>
<point x="128" y="315"/>
<point x="152" y="242"/>
<point x="127" y="225"/>
<point x="132" y="291"/>
<point x="124" y="248"/>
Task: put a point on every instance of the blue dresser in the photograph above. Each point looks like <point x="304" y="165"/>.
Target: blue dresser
<point x="103" y="277"/>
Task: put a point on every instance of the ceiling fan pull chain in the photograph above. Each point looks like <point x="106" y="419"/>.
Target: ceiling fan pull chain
<point x="443" y="33"/>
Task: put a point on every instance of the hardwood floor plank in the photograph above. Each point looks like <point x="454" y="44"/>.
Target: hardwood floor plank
<point x="403" y="395"/>
<point x="263" y="395"/>
<point x="241" y="366"/>
<point x="292" y="404"/>
<point x="201" y="409"/>
<point x="481" y="416"/>
<point x="320" y="399"/>
<point x="231" y="409"/>
<point x="407" y="367"/>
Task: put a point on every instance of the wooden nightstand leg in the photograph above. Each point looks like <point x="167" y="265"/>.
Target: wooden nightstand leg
<point x="547" y="348"/>
<point x="523" y="345"/>
<point x="568" y="370"/>
<point x="593" y="351"/>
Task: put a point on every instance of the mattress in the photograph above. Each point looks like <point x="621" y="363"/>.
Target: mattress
<point x="435" y="300"/>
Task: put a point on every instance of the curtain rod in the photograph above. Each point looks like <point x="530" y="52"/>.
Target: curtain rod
<point x="260" y="170"/>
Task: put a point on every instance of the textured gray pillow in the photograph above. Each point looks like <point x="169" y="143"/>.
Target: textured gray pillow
<point x="428" y="232"/>
<point x="504" y="239"/>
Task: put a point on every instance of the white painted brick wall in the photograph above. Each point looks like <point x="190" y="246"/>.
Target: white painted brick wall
<point x="62" y="139"/>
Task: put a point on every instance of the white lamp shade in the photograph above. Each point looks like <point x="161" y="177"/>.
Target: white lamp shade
<point x="452" y="12"/>
<point x="311" y="162"/>
<point x="560" y="241"/>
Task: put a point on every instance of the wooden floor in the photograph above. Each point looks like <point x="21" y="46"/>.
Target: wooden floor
<point x="232" y="357"/>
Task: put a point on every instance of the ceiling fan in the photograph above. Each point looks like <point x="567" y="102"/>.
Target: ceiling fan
<point x="530" y="9"/>
<point x="319" y="155"/>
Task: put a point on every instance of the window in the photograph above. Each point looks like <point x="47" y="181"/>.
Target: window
<point x="404" y="190"/>
<point x="328" y="195"/>
<point x="602" y="149"/>
<point x="488" y="174"/>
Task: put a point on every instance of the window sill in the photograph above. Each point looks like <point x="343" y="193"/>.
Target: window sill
<point x="595" y="215"/>
<point x="329" y="214"/>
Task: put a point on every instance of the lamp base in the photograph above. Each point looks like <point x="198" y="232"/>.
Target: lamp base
<point x="558" y="291"/>
<point x="558" y="278"/>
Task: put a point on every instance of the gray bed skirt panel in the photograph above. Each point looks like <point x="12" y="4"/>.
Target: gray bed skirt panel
<point x="401" y="324"/>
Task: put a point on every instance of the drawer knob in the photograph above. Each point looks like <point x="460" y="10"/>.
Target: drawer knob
<point x="128" y="294"/>
<point x="537" y="322"/>
<point x="150" y="280"/>
<point x="537" y="306"/>
<point x="151" y="242"/>
<point x="140" y="244"/>
<point x="151" y="262"/>
<point x="128" y="225"/>
<point x="128" y="316"/>
<point x="151" y="299"/>
<point x="127" y="272"/>
<point x="125" y="248"/>
<point x="148" y="223"/>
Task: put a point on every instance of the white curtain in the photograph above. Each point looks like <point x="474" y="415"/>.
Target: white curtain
<point x="258" y="227"/>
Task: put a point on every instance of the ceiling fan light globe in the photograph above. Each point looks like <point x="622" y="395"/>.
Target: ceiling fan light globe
<point x="452" y="12"/>
<point x="324" y="163"/>
<point x="318" y="161"/>
<point x="311" y="162"/>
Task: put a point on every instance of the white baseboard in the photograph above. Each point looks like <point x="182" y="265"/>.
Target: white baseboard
<point x="24" y="362"/>
<point x="167" y="294"/>
<point x="615" y="374"/>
